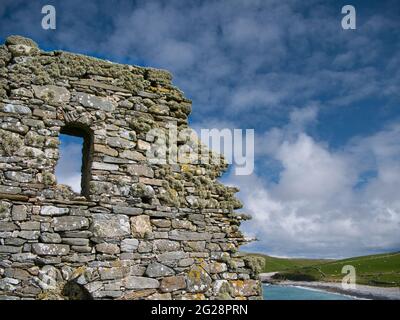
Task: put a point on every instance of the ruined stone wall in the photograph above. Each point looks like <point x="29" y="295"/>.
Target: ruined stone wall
<point x="138" y="230"/>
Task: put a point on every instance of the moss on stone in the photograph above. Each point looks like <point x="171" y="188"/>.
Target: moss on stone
<point x="10" y="142"/>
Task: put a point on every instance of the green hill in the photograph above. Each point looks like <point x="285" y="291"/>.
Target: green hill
<point x="273" y="264"/>
<point x="378" y="270"/>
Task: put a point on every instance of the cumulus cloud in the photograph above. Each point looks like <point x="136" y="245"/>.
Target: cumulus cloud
<point x="323" y="203"/>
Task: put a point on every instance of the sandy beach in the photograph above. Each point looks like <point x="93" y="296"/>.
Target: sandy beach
<point x="361" y="291"/>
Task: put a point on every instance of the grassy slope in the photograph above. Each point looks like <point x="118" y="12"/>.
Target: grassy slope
<point x="273" y="264"/>
<point x="379" y="270"/>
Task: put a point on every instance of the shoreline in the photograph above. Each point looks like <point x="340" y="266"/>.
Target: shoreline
<point x="360" y="292"/>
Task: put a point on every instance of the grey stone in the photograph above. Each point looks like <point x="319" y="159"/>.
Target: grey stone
<point x="161" y="223"/>
<point x="16" y="108"/>
<point x="10" y="190"/>
<point x="47" y="249"/>
<point x="129" y="245"/>
<point x="104" y="166"/>
<point x="8" y="226"/>
<point x="53" y="211"/>
<point x="19" y="212"/>
<point x="5" y="209"/>
<point x="29" y="235"/>
<point x="14" y="241"/>
<point x="130" y="211"/>
<point x="25" y="257"/>
<point x="122" y="143"/>
<point x="51" y="93"/>
<point x="171" y="256"/>
<point x="68" y="223"/>
<point x="140" y="170"/>
<point x="156" y="270"/>
<point x="76" y="241"/>
<point x="110" y="226"/>
<point x="111" y="273"/>
<point x="77" y="234"/>
<point x="145" y="246"/>
<point x="165" y="245"/>
<point x="48" y="237"/>
<point x="137" y="283"/>
<point x="186" y="262"/>
<point x="10" y="249"/>
<point x="82" y="249"/>
<point x="107" y="248"/>
<point x="132" y="155"/>
<point x="95" y="102"/>
<point x="188" y="235"/>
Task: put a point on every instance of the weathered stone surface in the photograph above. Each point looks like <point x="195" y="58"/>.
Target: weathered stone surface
<point x="110" y="226"/>
<point x="47" y="249"/>
<point x="68" y="223"/>
<point x="217" y="267"/>
<point x="132" y="155"/>
<point x="161" y="223"/>
<point x="171" y="256"/>
<point x="19" y="212"/>
<point x="245" y="288"/>
<point x="198" y="280"/>
<point x="95" y="102"/>
<point x="165" y="245"/>
<point x="5" y="209"/>
<point x="105" y="166"/>
<point x="53" y="211"/>
<point x="136" y="295"/>
<point x="30" y="225"/>
<point x="10" y="249"/>
<point x="141" y="226"/>
<point x="76" y="241"/>
<point x="186" y="262"/>
<point x="15" y="108"/>
<point x="130" y="211"/>
<point x="111" y="273"/>
<point x="108" y="248"/>
<point x="49" y="237"/>
<point x="117" y="142"/>
<point x="105" y="150"/>
<point x="29" y="235"/>
<point x="140" y="170"/>
<point x="8" y="226"/>
<point x="173" y="283"/>
<point x="77" y="234"/>
<point x="129" y="245"/>
<point x="187" y="235"/>
<point x="51" y="93"/>
<point x="156" y="270"/>
<point x="140" y="283"/>
<point x="10" y="190"/>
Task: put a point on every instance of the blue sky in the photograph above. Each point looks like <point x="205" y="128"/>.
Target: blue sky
<point x="324" y="102"/>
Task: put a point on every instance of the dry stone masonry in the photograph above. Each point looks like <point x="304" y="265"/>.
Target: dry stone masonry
<point x="138" y="230"/>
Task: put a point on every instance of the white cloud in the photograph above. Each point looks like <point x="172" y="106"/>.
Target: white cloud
<point x="317" y="207"/>
<point x="68" y="169"/>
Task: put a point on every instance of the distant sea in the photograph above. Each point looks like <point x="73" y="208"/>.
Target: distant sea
<point x="277" y="292"/>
